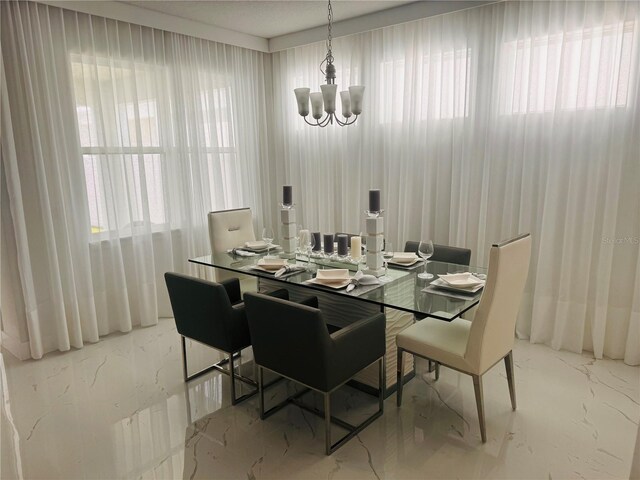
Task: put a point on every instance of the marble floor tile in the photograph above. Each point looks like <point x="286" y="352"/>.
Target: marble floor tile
<point x="119" y="409"/>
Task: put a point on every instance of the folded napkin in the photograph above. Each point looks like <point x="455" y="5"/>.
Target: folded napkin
<point x="256" y="244"/>
<point x="404" y="257"/>
<point x="289" y="269"/>
<point x="272" y="263"/>
<point x="361" y="279"/>
<point x="241" y="253"/>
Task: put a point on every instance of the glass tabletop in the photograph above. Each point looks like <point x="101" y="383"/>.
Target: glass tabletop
<point x="400" y="288"/>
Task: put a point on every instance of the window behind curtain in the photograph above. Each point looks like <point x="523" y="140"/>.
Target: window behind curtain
<point x="127" y="122"/>
<point x="576" y="70"/>
<point x="440" y="81"/>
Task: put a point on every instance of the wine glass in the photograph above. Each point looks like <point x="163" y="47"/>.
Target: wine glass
<point x="309" y="245"/>
<point x="302" y="240"/>
<point x="387" y="254"/>
<point x="425" y="250"/>
<point x="387" y="249"/>
<point x="305" y="241"/>
<point x="267" y="236"/>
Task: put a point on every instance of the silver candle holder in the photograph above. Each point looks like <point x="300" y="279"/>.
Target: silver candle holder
<point x="288" y="231"/>
<point x="375" y="243"/>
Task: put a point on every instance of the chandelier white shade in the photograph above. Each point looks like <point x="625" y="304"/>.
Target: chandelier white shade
<point x="326" y="98"/>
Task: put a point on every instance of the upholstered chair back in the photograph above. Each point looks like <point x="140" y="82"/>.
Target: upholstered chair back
<point x="289" y="338"/>
<point x="203" y="310"/>
<point x="230" y="228"/>
<point x="443" y="253"/>
<point x="493" y="327"/>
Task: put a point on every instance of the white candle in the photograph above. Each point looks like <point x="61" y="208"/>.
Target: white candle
<point x="356" y="247"/>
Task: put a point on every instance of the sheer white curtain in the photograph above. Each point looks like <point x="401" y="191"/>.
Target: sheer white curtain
<point x="478" y="125"/>
<point x="125" y="137"/>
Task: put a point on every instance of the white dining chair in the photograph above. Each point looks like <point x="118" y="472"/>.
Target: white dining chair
<point x="473" y="347"/>
<point x="229" y="229"/>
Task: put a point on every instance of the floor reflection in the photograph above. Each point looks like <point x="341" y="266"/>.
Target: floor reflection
<point x="119" y="409"/>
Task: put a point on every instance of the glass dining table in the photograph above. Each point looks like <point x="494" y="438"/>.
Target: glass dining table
<point x="399" y="289"/>
<point x="400" y="294"/>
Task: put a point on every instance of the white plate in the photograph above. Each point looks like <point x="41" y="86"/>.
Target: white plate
<point x="254" y="250"/>
<point x="469" y="290"/>
<point x="260" y="250"/>
<point x="332" y="275"/>
<point x="334" y="285"/>
<point x="462" y="280"/>
<point x="403" y="264"/>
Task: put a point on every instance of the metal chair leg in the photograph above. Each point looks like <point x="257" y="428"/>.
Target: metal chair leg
<point x="437" y="370"/>
<point x="184" y="358"/>
<point x="327" y="423"/>
<point x="232" y="376"/>
<point x="508" y="364"/>
<point x="399" y="377"/>
<point x="381" y="384"/>
<point x="477" y="386"/>
<point x="261" y="391"/>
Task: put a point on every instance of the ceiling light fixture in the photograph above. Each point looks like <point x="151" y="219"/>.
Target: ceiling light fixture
<point x="351" y="99"/>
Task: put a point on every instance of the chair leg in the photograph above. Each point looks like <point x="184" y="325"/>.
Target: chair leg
<point x="399" y="377"/>
<point x="437" y="370"/>
<point x="381" y="384"/>
<point x="261" y="391"/>
<point x="508" y="364"/>
<point x="184" y="358"/>
<point x="232" y="376"/>
<point x="327" y="422"/>
<point x="477" y="386"/>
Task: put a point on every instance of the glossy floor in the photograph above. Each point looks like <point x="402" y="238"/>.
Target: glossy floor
<point x="119" y="409"/>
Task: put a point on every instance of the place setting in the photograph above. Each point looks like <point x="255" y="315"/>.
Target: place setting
<point x="278" y="267"/>
<point x="463" y="285"/>
<point x="252" y="248"/>
<point x="340" y="278"/>
<point x="403" y="260"/>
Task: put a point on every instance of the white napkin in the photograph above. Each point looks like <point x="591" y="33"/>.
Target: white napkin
<point x="256" y="244"/>
<point x="241" y="253"/>
<point x="361" y="279"/>
<point x="404" y="257"/>
<point x="289" y="269"/>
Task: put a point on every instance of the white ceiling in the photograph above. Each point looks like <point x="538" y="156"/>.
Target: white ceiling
<point x="265" y="19"/>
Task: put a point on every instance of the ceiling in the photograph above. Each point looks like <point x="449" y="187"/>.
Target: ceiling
<point x="265" y="19"/>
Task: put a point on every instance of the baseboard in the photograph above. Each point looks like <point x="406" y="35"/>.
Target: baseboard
<point x="15" y="347"/>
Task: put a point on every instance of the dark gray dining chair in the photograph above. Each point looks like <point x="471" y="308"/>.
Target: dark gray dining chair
<point x="293" y="341"/>
<point x="212" y="314"/>
<point x="443" y="253"/>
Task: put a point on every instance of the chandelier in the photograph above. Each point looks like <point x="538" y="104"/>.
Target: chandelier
<point x="351" y="99"/>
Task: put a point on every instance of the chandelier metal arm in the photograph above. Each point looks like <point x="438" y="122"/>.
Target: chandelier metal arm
<point x="351" y="100"/>
<point x="329" y="119"/>
<point x="346" y="122"/>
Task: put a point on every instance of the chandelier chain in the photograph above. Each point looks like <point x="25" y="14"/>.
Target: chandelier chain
<point x="328" y="94"/>
<point x="329" y="57"/>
